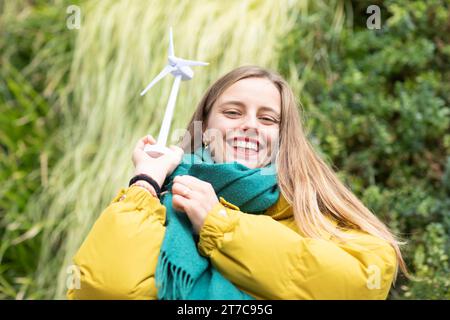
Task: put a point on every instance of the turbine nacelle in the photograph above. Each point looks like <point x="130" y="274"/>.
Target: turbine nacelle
<point x="186" y="72"/>
<point x="176" y="66"/>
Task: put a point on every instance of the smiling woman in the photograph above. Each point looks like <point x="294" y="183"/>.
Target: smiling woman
<point x="240" y="127"/>
<point x="223" y="228"/>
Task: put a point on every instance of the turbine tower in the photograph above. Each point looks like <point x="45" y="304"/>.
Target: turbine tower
<point x="180" y="69"/>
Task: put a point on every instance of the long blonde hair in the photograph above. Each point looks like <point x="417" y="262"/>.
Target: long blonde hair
<point x="309" y="185"/>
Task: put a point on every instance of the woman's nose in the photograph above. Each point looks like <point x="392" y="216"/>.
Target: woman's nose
<point x="250" y="123"/>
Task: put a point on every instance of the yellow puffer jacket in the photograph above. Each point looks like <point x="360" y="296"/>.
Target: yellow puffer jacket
<point x="263" y="255"/>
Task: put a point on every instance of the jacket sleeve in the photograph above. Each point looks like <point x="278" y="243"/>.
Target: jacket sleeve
<point x="269" y="260"/>
<point x="117" y="260"/>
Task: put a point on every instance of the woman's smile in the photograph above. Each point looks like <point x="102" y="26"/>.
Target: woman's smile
<point x="244" y="148"/>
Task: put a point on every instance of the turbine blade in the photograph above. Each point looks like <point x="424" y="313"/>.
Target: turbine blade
<point x="167" y="69"/>
<point x="185" y="62"/>
<point x="171" y="50"/>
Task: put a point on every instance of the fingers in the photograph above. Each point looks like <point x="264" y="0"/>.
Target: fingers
<point x="181" y="190"/>
<point x="195" y="208"/>
<point x="194" y="183"/>
<point x="180" y="203"/>
<point x="148" y="139"/>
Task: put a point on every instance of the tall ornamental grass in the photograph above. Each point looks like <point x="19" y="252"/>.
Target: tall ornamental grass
<point x="35" y="56"/>
<point x="119" y="48"/>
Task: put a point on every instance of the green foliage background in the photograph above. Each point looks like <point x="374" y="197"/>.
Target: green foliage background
<point x="376" y="105"/>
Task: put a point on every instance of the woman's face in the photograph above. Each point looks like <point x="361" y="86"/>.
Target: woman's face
<point x="243" y="124"/>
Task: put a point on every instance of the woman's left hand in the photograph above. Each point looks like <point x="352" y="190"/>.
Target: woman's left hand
<point x="195" y="197"/>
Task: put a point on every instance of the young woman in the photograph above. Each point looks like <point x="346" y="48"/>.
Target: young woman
<point x="249" y="212"/>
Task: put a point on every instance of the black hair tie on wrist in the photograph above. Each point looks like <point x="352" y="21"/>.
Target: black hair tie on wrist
<point x="148" y="179"/>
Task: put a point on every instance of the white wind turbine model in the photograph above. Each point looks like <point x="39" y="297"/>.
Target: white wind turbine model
<point x="180" y="69"/>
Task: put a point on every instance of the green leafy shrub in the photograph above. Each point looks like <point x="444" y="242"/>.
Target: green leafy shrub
<point x="377" y="106"/>
<point x="34" y="58"/>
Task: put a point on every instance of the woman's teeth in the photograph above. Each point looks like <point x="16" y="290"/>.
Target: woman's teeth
<point x="245" y="144"/>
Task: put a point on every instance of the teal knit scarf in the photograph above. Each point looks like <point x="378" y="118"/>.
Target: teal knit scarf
<point x="181" y="272"/>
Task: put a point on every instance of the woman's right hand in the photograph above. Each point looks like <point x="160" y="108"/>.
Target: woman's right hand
<point x="157" y="168"/>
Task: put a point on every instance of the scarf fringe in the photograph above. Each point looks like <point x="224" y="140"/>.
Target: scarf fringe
<point x="167" y="272"/>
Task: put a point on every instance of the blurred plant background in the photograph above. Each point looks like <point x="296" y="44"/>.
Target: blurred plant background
<point x="376" y="105"/>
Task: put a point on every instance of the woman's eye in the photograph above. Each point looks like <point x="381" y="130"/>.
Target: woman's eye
<point x="269" y="119"/>
<point x="232" y="113"/>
